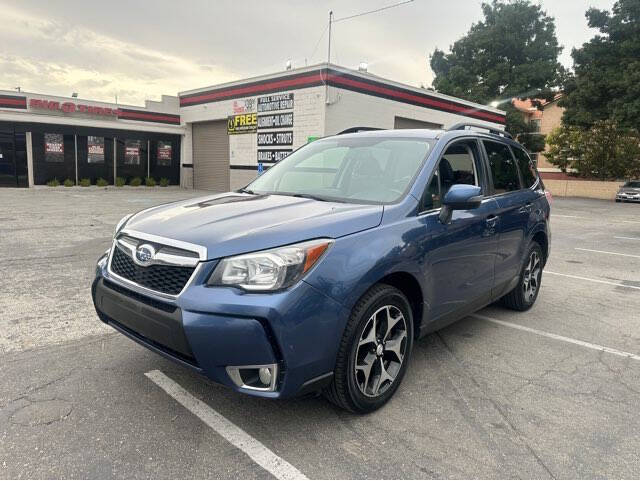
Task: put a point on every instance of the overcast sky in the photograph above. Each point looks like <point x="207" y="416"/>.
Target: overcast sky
<point x="142" y="49"/>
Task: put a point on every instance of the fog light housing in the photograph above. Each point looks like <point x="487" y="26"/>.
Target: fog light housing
<point x="256" y="377"/>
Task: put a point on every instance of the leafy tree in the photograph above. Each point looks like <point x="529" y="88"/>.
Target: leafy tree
<point x="512" y="52"/>
<point x="605" y="151"/>
<point x="606" y="82"/>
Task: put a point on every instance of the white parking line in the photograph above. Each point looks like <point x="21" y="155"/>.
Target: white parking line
<point x="225" y="428"/>
<point x="591" y="280"/>
<point x="568" y="216"/>
<point x="627" y="238"/>
<point x="557" y="337"/>
<point x="606" y="252"/>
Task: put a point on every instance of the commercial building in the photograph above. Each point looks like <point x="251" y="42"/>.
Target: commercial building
<point x="215" y="137"/>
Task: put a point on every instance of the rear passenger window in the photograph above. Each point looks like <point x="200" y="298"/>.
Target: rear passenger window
<point x="503" y="167"/>
<point x="527" y="170"/>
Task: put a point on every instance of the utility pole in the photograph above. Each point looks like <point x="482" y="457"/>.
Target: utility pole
<point x="329" y="48"/>
<point x="326" y="84"/>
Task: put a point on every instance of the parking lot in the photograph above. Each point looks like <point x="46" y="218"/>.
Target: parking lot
<point x="550" y="393"/>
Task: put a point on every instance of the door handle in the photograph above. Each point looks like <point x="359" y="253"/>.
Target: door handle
<point x="492" y="220"/>
<point x="526" y="209"/>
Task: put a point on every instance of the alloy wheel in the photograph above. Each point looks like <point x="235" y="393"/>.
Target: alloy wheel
<point x="531" y="278"/>
<point x="380" y="351"/>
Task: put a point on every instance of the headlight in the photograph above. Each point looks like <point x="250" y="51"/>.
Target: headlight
<point x="269" y="270"/>
<point x="121" y="223"/>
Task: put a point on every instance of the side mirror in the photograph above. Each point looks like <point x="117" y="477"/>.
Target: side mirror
<point x="460" y="197"/>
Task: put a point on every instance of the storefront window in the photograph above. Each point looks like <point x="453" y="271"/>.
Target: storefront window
<point x="95" y="150"/>
<point x="164" y="154"/>
<point x="53" y="147"/>
<point x="132" y="152"/>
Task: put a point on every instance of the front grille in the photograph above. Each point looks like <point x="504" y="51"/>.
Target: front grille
<point x="160" y="278"/>
<point x="163" y="306"/>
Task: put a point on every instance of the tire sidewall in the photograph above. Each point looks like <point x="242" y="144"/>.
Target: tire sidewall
<point x="390" y="296"/>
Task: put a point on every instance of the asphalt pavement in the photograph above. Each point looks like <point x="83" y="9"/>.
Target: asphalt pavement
<point x="550" y="393"/>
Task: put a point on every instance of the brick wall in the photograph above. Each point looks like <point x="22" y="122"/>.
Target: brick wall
<point x="583" y="188"/>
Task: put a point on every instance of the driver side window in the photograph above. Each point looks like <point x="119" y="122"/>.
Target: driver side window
<point x="458" y="165"/>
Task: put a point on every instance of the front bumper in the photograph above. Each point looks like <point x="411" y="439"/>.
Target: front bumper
<point x="628" y="197"/>
<point x="208" y="329"/>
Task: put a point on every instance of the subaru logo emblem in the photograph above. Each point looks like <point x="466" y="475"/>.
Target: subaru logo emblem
<point x="145" y="254"/>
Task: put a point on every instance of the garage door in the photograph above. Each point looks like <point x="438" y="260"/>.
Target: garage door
<point x="404" y="123"/>
<point x="211" y="156"/>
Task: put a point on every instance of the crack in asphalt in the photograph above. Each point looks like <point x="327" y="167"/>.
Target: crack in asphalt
<point x="520" y="438"/>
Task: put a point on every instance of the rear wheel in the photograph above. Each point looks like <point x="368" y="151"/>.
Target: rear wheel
<point x="374" y="351"/>
<point x="524" y="295"/>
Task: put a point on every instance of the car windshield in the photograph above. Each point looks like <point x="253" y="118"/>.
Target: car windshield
<point x="633" y="183"/>
<point x="349" y="169"/>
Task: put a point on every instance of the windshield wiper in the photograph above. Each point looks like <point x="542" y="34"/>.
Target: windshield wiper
<point x="246" y="191"/>
<point x="310" y="196"/>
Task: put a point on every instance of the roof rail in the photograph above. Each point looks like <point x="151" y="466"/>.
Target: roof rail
<point x="355" y="130"/>
<point x="464" y="125"/>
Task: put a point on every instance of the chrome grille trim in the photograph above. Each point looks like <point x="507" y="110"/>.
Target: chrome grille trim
<point x="201" y="251"/>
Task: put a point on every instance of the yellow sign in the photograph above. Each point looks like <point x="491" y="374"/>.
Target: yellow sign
<point x="242" y="123"/>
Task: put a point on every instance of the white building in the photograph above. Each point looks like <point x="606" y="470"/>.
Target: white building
<point x="219" y="135"/>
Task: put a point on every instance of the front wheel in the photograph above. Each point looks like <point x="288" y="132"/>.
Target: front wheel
<point x="524" y="295"/>
<point x="374" y="351"/>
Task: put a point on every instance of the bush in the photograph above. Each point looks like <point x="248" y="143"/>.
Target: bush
<point x="150" y="182"/>
<point x="164" y="182"/>
<point x="135" y="182"/>
<point x="53" y="182"/>
<point x="69" y="183"/>
<point x="101" y="182"/>
<point x="120" y="181"/>
<point x="85" y="182"/>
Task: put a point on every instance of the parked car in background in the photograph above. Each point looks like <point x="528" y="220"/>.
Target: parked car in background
<point x="320" y="274"/>
<point x="629" y="192"/>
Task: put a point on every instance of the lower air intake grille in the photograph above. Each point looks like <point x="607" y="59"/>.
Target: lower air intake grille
<point x="160" y="278"/>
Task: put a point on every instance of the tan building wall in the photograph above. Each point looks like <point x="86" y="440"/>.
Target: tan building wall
<point x="551" y="119"/>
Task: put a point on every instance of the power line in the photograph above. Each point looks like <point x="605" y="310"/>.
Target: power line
<point x="319" y="40"/>
<point x="373" y="11"/>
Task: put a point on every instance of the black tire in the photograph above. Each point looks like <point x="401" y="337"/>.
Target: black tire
<point x="521" y="298"/>
<point x="617" y="200"/>
<point x="346" y="389"/>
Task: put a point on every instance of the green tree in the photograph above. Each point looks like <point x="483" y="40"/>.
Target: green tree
<point x="606" y="80"/>
<point x="511" y="53"/>
<point x="604" y="151"/>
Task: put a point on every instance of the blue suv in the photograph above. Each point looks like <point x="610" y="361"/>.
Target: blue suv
<point x="320" y="274"/>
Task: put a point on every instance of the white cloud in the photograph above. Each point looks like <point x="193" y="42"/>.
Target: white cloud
<point x="59" y="59"/>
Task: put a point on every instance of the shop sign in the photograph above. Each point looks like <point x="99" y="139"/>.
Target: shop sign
<point x="132" y="152"/>
<point x="271" y="156"/>
<point x="95" y="149"/>
<point x="244" y="106"/>
<point x="269" y="103"/>
<point x="72" y="108"/>
<point x="54" y="147"/>
<point x="164" y="153"/>
<point x="275" y="121"/>
<point x="275" y="138"/>
<point x="242" y="123"/>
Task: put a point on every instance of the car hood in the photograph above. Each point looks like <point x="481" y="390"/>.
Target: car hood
<point x="234" y="223"/>
<point x="629" y="190"/>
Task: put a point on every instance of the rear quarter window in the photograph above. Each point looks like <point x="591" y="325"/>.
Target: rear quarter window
<point x="527" y="169"/>
<point x="503" y="167"/>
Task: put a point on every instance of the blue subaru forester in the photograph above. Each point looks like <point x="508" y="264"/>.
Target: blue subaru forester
<point x="320" y="274"/>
